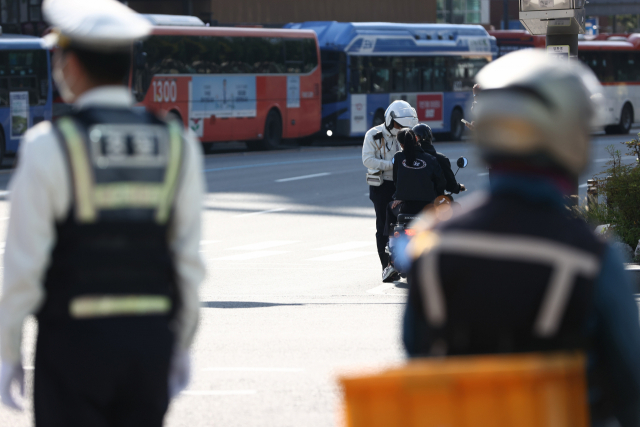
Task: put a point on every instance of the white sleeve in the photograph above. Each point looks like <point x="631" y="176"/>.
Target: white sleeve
<point x="369" y="159"/>
<point x="38" y="194"/>
<point x="185" y="243"/>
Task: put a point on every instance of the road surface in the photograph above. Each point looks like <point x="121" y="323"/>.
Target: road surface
<point x="293" y="296"/>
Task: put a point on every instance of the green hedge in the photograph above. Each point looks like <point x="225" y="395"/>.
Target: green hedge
<point x="618" y="201"/>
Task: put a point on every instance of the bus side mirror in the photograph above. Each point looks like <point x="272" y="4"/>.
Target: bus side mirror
<point x="462" y="162"/>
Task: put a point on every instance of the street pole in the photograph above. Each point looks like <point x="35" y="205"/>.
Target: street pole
<point x="560" y="21"/>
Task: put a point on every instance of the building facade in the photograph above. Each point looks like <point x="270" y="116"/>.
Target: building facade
<point x="280" y="12"/>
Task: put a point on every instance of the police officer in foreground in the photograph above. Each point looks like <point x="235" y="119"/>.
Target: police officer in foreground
<point x="103" y="239"/>
<point x="380" y="145"/>
<point x="517" y="273"/>
<point x="425" y="137"/>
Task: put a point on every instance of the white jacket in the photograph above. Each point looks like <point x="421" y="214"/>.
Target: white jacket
<point x="377" y="154"/>
<point x="40" y="197"/>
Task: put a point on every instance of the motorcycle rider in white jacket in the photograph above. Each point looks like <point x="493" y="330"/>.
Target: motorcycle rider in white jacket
<point x="380" y="145"/>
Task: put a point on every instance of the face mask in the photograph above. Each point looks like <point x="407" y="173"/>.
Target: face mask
<point x="394" y="131"/>
<point x="66" y="93"/>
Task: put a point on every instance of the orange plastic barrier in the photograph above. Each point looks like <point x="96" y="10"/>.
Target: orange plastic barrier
<point x="529" y="390"/>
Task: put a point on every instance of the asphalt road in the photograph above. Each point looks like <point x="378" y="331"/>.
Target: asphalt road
<point x="293" y="296"/>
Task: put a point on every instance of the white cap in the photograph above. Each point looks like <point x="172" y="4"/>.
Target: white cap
<point x="98" y="25"/>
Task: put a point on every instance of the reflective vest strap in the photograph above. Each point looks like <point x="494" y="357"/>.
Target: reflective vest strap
<point x="171" y="175"/>
<point x="82" y="174"/>
<point x="128" y="195"/>
<point x="86" y="307"/>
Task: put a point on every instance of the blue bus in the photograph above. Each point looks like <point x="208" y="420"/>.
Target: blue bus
<point x="365" y="66"/>
<point x="25" y="88"/>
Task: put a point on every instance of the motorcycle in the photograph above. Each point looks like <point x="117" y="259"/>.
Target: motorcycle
<point x="402" y="231"/>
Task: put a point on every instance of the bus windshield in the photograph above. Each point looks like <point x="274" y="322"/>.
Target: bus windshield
<point x="25" y="88"/>
<point x="24" y="71"/>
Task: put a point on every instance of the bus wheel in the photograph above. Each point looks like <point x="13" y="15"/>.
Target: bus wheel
<point x="272" y="131"/>
<point x="457" y="127"/>
<point x="378" y="118"/>
<point x="624" y="126"/>
<point x="626" y="119"/>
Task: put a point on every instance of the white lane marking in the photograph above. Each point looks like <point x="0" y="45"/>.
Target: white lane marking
<point x="483" y="174"/>
<point x="28" y="368"/>
<point x="342" y="256"/>
<point x="582" y="185"/>
<point x="609" y="159"/>
<point x="250" y="255"/>
<point x="295" y="178"/>
<point x="263" y="245"/>
<point x="261" y="212"/>
<point x="380" y="290"/>
<point x="217" y="392"/>
<point x="254" y="369"/>
<point x="345" y="246"/>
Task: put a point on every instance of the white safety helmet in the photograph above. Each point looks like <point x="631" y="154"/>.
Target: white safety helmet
<point x="401" y="112"/>
<point x="535" y="105"/>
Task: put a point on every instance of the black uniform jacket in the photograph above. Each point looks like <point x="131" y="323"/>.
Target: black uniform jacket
<point x="423" y="181"/>
<point x="452" y="185"/>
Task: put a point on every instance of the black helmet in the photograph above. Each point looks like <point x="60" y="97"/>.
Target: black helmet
<point x="423" y="132"/>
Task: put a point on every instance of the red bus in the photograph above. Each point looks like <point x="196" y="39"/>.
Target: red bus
<point x="232" y="84"/>
<point x="615" y="62"/>
<point x="510" y="40"/>
<point x="614" y="58"/>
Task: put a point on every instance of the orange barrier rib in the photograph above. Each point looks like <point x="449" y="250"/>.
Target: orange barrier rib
<point x="528" y="390"/>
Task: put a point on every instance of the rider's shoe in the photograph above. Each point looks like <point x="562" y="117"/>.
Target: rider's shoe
<point x="390" y="274"/>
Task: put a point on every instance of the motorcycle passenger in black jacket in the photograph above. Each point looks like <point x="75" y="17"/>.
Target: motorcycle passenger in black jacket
<point x="418" y="178"/>
<point x="425" y="138"/>
<point x="452" y="185"/>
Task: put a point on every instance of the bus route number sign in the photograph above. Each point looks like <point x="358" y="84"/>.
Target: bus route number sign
<point x="429" y="107"/>
<point x="164" y="91"/>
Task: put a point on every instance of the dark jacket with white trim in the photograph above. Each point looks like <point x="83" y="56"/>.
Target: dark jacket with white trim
<point x="490" y="298"/>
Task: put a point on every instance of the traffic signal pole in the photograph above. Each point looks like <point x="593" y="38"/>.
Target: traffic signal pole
<point x="560" y="21"/>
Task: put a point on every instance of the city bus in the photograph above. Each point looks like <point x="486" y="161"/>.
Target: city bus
<point x="616" y="63"/>
<point x="230" y="84"/>
<point x="25" y="88"/>
<point x="365" y="66"/>
<point x="613" y="58"/>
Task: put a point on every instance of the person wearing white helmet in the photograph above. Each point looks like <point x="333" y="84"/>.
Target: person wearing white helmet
<point x="516" y="272"/>
<point x="103" y="240"/>
<point x="380" y="145"/>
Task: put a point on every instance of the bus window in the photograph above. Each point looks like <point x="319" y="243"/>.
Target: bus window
<point x="625" y="67"/>
<point x="464" y="70"/>
<point x="380" y="74"/>
<point x="411" y="74"/>
<point x="439" y="80"/>
<point x="397" y="75"/>
<point x="359" y="74"/>
<point x="311" y="56"/>
<point x="334" y="76"/>
<point x="294" y="55"/>
<point x="26" y="71"/>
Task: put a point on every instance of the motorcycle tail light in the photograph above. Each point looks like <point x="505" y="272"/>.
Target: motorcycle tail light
<point x="410" y="232"/>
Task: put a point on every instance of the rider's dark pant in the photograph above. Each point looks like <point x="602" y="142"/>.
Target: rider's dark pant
<point x="410" y="207"/>
<point x="381" y="196"/>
